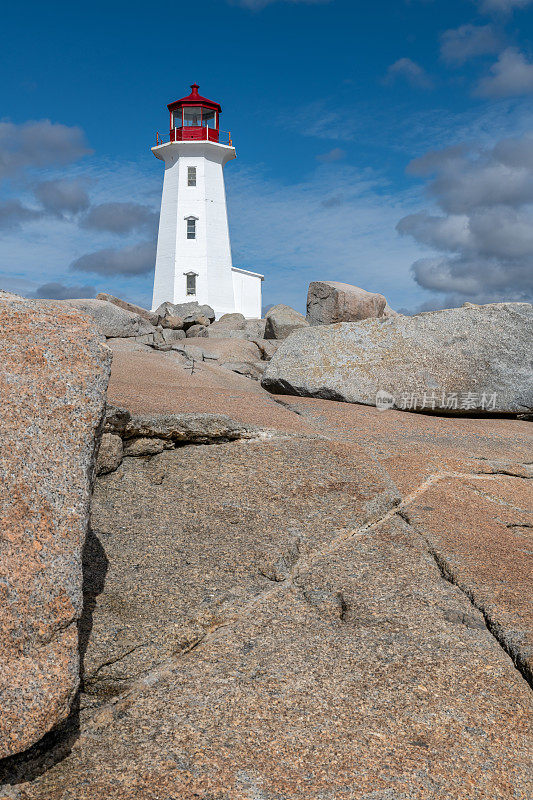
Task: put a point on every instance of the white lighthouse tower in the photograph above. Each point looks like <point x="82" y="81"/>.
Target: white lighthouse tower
<point x="193" y="260"/>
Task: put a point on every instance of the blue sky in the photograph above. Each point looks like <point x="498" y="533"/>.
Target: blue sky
<point x="387" y="144"/>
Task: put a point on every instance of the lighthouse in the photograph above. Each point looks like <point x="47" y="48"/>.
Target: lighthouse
<point x="193" y="260"/>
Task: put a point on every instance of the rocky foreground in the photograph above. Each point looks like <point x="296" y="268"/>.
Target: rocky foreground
<point x="284" y="598"/>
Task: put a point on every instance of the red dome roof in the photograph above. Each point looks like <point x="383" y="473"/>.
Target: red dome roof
<point x="194" y="99"/>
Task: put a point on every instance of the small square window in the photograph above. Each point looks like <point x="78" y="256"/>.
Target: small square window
<point x="191" y="228"/>
<point x="191" y="284"/>
<point x="191" y="176"/>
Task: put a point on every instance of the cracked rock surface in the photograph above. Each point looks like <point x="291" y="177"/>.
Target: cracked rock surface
<point x="192" y="534"/>
<point x="334" y="608"/>
<point x="53" y="377"/>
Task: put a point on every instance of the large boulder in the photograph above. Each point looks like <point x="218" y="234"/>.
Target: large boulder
<point x="255" y="328"/>
<point x="172" y="322"/>
<point x="237" y="328"/>
<point x="329" y="302"/>
<point x="185" y="310"/>
<point x="282" y="320"/>
<point x="196" y="318"/>
<point x="196" y="330"/>
<point x="111" y="320"/>
<point x="54" y="371"/>
<point x="235" y="321"/>
<point x="472" y="360"/>
<point x="151" y="316"/>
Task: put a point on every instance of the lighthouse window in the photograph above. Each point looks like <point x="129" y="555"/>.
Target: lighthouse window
<point x="191" y="228"/>
<point x="209" y="118"/>
<point x="191" y="176"/>
<point x="192" y="116"/>
<point x="191" y="283"/>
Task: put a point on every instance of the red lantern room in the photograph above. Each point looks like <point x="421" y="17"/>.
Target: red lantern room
<point x="194" y="117"/>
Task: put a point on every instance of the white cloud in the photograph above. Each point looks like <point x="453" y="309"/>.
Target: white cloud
<point x="13" y="214"/>
<point x="515" y="152"/>
<point x="50" y="243"/>
<point x="486" y="232"/>
<point x="38" y="144"/>
<point x="410" y="71"/>
<point x="61" y="196"/>
<point x="511" y="75"/>
<point x="450" y="233"/>
<point x="468" y="41"/>
<point x="136" y="259"/>
<point x="121" y="218"/>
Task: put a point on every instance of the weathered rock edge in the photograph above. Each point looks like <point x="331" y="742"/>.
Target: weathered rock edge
<point x="138" y="435"/>
<point x="470" y="352"/>
<point x="54" y="370"/>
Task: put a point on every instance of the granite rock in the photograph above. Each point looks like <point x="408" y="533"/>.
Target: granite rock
<point x="256" y="327"/>
<point x="253" y="329"/>
<point x="131" y="345"/>
<point x="478" y="549"/>
<point x="109" y="454"/>
<point x="112" y="320"/>
<point x="195" y="319"/>
<point x="356" y="673"/>
<point x="272" y="618"/>
<point x="282" y="320"/>
<point x="469" y="360"/>
<point x="237" y="326"/>
<point x="144" y="446"/>
<point x="267" y="347"/>
<point x="185" y="309"/>
<point x="170" y="335"/>
<point x="224" y="350"/>
<point x="197" y="428"/>
<point x="329" y="302"/>
<point x="197" y="330"/>
<point x="151" y="316"/>
<point x="189" y="538"/>
<point x="172" y="321"/>
<point x="146" y="338"/>
<point x="253" y="370"/>
<point x="235" y="321"/>
<point x="54" y="370"/>
<point x="116" y="420"/>
<point x="194" y="428"/>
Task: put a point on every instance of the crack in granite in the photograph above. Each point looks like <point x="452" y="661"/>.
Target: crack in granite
<point x="104" y="714"/>
<point x="447" y="574"/>
<point x="164" y="669"/>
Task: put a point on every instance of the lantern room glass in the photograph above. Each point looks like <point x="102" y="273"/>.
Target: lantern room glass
<point x="195" y="117"/>
<point x="192" y="117"/>
<point x="209" y="118"/>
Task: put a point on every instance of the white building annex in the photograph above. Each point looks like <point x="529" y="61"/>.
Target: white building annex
<point x="193" y="260"/>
